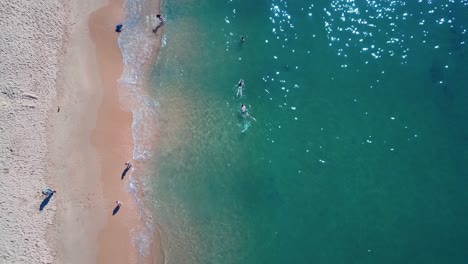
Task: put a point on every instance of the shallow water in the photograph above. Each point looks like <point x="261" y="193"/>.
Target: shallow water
<point x="358" y="152"/>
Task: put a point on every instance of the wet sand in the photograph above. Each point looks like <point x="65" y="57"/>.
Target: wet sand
<point x="90" y="142"/>
<point x="113" y="140"/>
<point x="30" y="59"/>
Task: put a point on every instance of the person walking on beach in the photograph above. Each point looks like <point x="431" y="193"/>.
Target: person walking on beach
<point x="128" y="164"/>
<point x="161" y="20"/>
<point x="240" y="86"/>
<point x="117" y="207"/>
<point x="161" y="23"/>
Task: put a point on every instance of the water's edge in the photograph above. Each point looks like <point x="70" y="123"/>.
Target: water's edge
<point x="139" y="47"/>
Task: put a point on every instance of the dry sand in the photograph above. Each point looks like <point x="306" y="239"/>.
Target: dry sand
<point x="31" y="47"/>
<point x="74" y="161"/>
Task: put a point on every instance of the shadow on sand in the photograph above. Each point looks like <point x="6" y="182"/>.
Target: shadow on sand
<point x="116" y="209"/>
<point x="124" y="172"/>
<point x="155" y="30"/>
<point x="45" y="202"/>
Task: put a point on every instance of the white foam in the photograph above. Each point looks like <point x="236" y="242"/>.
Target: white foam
<point x="136" y="43"/>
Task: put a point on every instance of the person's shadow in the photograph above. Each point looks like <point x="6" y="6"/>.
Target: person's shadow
<point x="155" y="30"/>
<point x="116" y="209"/>
<point x="45" y="202"/>
<point x="125" y="172"/>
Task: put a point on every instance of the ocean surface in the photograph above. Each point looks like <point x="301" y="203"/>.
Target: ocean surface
<point x="355" y="147"/>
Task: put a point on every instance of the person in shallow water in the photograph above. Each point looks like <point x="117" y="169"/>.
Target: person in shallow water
<point x="243" y="109"/>
<point x="242" y="39"/>
<point x="240" y="85"/>
<point x="245" y="114"/>
<point x="161" y="20"/>
<point x="118" y="28"/>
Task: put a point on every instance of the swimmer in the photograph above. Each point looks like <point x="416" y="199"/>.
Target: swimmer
<point x="242" y="39"/>
<point x="244" y="112"/>
<point x="240" y="86"/>
<point x="243" y="109"/>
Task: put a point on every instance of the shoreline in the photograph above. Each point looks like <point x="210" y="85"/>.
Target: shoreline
<point x="95" y="129"/>
<point x="139" y="43"/>
<point x="113" y="140"/>
<point x="116" y="116"/>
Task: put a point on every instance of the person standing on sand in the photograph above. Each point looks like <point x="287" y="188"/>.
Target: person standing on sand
<point x="118" y="203"/>
<point x="161" y="23"/>
<point x="128" y="164"/>
<point x="161" y="20"/>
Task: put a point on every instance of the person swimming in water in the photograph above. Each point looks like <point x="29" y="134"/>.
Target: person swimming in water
<point x="244" y="113"/>
<point x="240" y="86"/>
<point x="243" y="109"/>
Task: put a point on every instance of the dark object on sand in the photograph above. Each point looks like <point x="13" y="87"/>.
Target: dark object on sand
<point x="128" y="165"/>
<point x="118" y="28"/>
<point x="48" y="191"/>
<point x="160" y="18"/>
<point x="117" y="207"/>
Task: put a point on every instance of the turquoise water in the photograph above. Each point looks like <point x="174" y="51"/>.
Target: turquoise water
<point x="359" y="149"/>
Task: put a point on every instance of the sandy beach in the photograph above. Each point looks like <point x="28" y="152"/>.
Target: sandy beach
<point x="63" y="127"/>
<point x="31" y="50"/>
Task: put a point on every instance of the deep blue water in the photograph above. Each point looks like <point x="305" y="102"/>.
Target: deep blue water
<point x="358" y="150"/>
